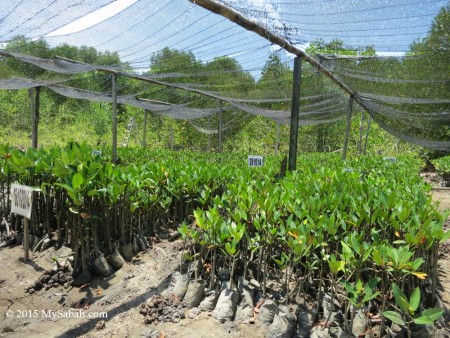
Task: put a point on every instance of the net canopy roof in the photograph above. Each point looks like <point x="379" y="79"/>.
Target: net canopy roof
<point x="373" y="49"/>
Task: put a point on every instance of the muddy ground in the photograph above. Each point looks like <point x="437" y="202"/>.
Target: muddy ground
<point x="53" y="313"/>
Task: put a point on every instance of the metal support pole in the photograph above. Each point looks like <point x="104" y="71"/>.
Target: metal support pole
<point x="34" y="105"/>
<point x="114" y="118"/>
<point x="297" y="78"/>
<point x="367" y="134"/>
<point x="144" y="136"/>
<point x="347" y="128"/>
<point x="220" y="129"/>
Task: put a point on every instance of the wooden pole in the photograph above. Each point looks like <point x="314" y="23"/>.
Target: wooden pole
<point x="295" y="110"/>
<point x="209" y="135"/>
<point x="361" y="129"/>
<point x="26" y="238"/>
<point x="220" y="129"/>
<point x="144" y="136"/>
<point x="367" y="134"/>
<point x="277" y="141"/>
<point x="171" y="136"/>
<point x="114" y="117"/>
<point x="347" y="128"/>
<point x="34" y="105"/>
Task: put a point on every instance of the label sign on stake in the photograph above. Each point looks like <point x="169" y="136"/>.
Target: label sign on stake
<point x="22" y="204"/>
<point x="21" y="200"/>
<point x="255" y="161"/>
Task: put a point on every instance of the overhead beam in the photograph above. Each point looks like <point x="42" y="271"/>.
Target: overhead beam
<point x="238" y="18"/>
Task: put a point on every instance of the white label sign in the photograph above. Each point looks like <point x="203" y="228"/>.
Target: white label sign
<point x="21" y="200"/>
<point x="255" y="161"/>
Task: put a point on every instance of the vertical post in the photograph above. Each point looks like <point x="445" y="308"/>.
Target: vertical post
<point x="34" y="105"/>
<point x="277" y="141"/>
<point x="367" y="134"/>
<point x="361" y="129"/>
<point x="144" y="136"/>
<point x="114" y="118"/>
<point x="295" y="113"/>
<point x="26" y="238"/>
<point x="209" y="135"/>
<point x="220" y="129"/>
<point x="171" y="136"/>
<point x="347" y="128"/>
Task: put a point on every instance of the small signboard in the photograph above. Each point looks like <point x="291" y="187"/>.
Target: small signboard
<point x="21" y="200"/>
<point x="96" y="153"/>
<point x="255" y="161"/>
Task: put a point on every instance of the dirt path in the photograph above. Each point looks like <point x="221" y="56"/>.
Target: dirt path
<point x="442" y="196"/>
<point x="119" y="296"/>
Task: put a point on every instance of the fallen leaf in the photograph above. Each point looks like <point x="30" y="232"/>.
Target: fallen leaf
<point x="420" y="275"/>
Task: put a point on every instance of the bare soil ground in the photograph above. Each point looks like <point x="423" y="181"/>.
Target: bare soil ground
<point x="119" y="296"/>
<point x="442" y="196"/>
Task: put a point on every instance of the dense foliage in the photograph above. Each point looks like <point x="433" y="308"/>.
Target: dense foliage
<point x="363" y="226"/>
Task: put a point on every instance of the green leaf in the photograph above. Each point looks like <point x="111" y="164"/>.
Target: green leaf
<point x="445" y="236"/>
<point x="394" y="317"/>
<point x="414" y="301"/>
<point x="400" y="298"/>
<point x="429" y="316"/>
<point x="230" y="247"/>
<point x="65" y="186"/>
<point x="346" y="250"/>
<point x="377" y="258"/>
<point x="336" y="266"/>
<point x="372" y="283"/>
<point x="93" y="192"/>
<point x="370" y="296"/>
<point x="77" y="181"/>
